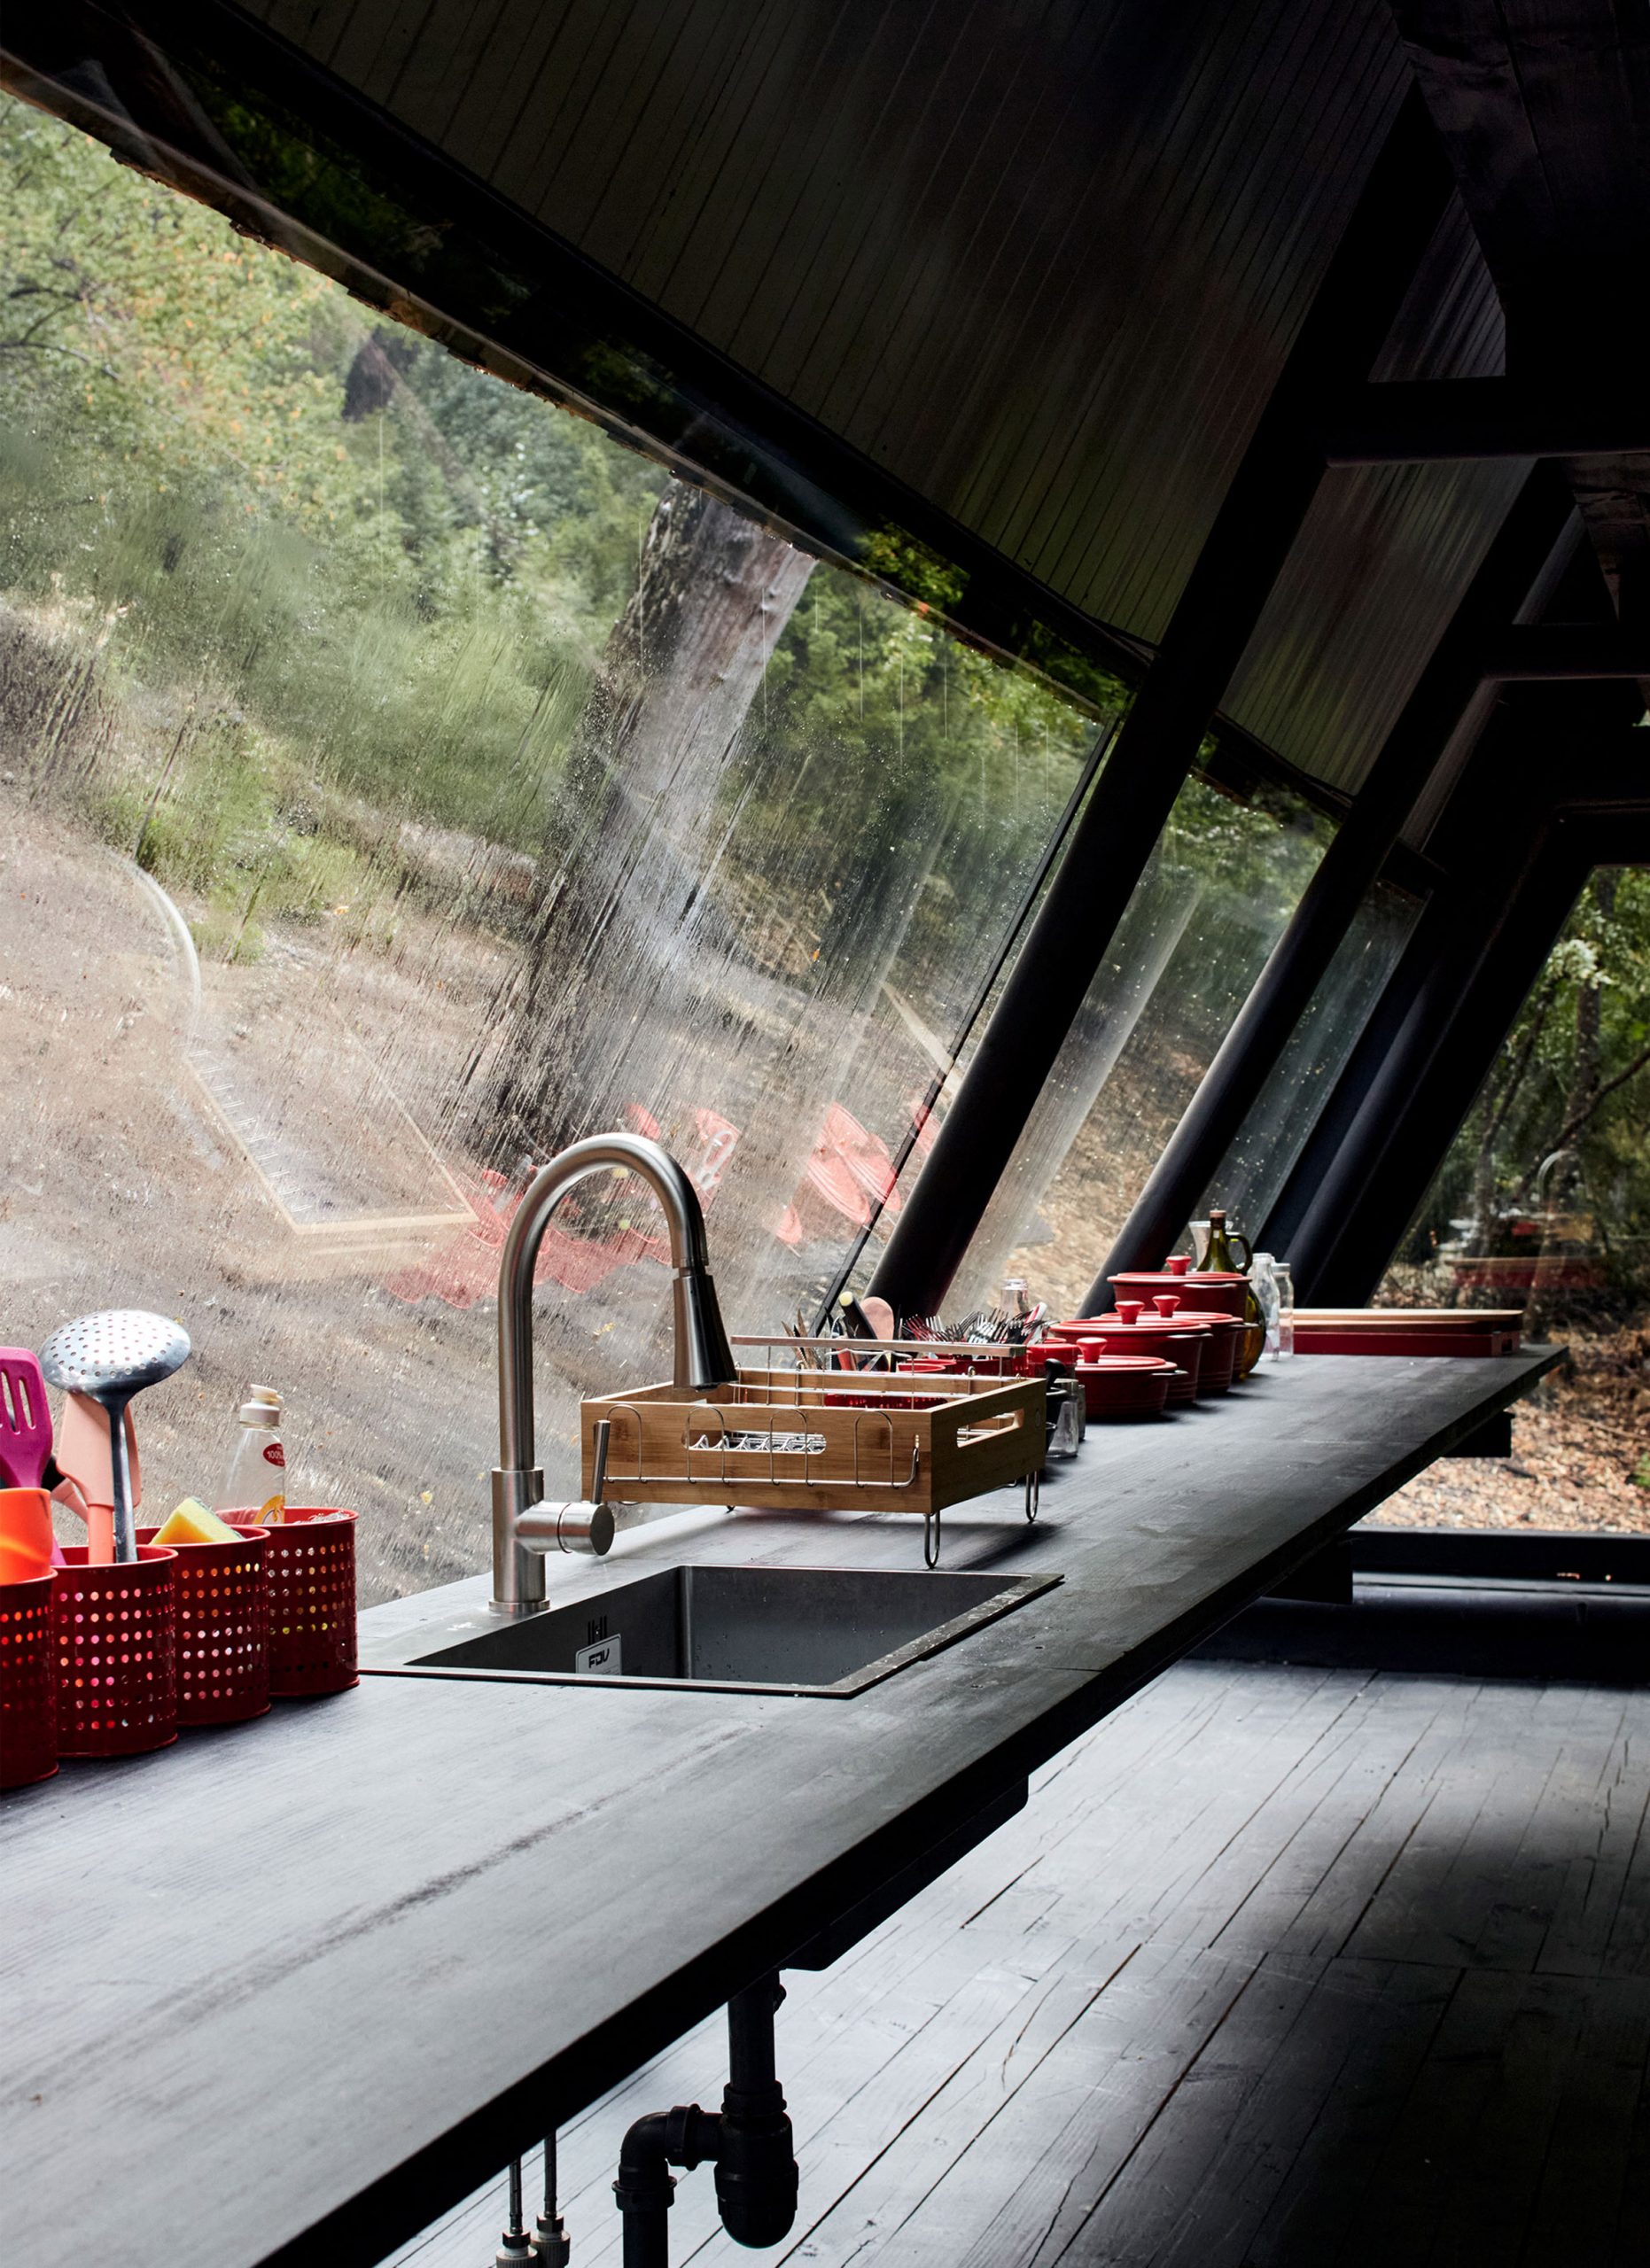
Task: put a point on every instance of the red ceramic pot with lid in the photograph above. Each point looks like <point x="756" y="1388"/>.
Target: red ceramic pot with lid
<point x="1223" y="1342"/>
<point x="1133" y="1330"/>
<point x="1200" y="1291"/>
<point x="1126" y="1385"/>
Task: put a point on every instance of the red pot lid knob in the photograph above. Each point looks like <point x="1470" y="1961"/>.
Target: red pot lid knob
<point x="1130" y="1310"/>
<point x="1166" y="1302"/>
<point x="1176" y="1263"/>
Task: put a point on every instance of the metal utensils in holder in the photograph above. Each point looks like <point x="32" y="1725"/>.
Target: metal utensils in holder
<point x="109" y="1357"/>
<point x="115" y="1638"/>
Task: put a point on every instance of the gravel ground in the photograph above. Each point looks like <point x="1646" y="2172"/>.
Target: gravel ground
<point x="1581" y="1452"/>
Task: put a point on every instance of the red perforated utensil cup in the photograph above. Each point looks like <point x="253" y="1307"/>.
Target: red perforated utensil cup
<point x="28" y="1683"/>
<point x="114" y="1632"/>
<point x="222" y="1616"/>
<point x="312" y="1600"/>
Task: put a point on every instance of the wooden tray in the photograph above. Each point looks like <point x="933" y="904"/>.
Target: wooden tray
<point x="852" y="1442"/>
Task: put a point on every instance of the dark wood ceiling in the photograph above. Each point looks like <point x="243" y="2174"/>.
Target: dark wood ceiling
<point x="1043" y="262"/>
<point x="1544" y="110"/>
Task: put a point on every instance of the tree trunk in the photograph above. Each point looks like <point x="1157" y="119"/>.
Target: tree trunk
<point x="634" y="830"/>
<point x="1584" y="1086"/>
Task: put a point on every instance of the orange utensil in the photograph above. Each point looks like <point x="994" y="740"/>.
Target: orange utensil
<point x="83" y="1459"/>
<point x="26" y="1539"/>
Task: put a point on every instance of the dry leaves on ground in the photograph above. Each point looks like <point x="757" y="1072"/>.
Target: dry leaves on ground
<point x="1581" y="1452"/>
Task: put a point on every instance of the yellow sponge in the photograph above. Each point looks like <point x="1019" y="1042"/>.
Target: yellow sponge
<point x="192" y="1523"/>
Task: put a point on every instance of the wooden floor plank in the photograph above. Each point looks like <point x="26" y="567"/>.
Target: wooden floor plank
<point x="1188" y="2190"/>
<point x="1385" y="2015"/>
<point x="1437" y="1902"/>
<point x="1607" y="1839"/>
<point x="1582" y="2187"/>
<point x="1185" y="2011"/>
<point x="1063" y="2140"/>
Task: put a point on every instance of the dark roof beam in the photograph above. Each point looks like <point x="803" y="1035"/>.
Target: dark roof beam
<point x="1442" y="421"/>
<point x="1160" y="738"/>
<point x="1533" y="549"/>
<point x="1550" y="652"/>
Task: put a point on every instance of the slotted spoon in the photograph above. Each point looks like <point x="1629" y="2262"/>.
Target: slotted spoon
<point x="109" y="1357"/>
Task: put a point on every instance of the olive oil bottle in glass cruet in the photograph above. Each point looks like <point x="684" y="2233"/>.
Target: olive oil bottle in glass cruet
<point x="1222" y="1257"/>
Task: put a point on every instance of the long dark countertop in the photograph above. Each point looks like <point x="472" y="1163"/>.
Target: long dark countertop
<point x="285" y="1991"/>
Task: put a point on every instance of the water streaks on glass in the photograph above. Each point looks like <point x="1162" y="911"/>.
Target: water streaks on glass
<point x="401" y="776"/>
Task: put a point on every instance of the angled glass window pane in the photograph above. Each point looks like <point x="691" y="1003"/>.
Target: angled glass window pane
<point x="1213" y="900"/>
<point x="1543" y="1204"/>
<point x="1272" y="1137"/>
<point x="1544" y="1200"/>
<point x="403" y="777"/>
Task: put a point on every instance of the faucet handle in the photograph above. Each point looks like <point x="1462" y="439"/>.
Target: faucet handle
<point x="584" y="1526"/>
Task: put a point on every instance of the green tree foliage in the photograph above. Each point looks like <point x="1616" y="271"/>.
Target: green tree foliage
<point x="1571" y="1093"/>
<point x="370" y="574"/>
<point x="397" y="567"/>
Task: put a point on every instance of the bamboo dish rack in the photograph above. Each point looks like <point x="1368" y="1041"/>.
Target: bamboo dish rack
<point x="822" y="1440"/>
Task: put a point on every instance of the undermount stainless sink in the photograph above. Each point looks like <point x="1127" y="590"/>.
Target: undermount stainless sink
<point x="831" y="1631"/>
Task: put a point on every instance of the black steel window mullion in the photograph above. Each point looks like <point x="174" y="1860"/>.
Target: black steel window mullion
<point x="1159" y="743"/>
<point x="1534" y="543"/>
<point x="1415" y="1105"/>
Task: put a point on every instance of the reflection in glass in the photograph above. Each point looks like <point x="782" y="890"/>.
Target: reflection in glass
<point x="1272" y="1137"/>
<point x="1544" y="1200"/>
<point x="1543" y="1203"/>
<point x="1220" y="885"/>
<point x="401" y="776"/>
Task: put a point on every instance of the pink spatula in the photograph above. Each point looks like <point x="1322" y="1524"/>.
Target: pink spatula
<point x="25" y="1431"/>
<point x="25" y="1420"/>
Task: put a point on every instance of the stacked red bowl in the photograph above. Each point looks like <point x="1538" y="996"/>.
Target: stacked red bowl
<point x="1173" y="1339"/>
<point x="1126" y="1385"/>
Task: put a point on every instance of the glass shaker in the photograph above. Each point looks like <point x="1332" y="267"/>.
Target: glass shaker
<point x="1284" y="1282"/>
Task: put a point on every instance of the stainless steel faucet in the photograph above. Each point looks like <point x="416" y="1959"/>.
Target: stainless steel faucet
<point x="524" y="1526"/>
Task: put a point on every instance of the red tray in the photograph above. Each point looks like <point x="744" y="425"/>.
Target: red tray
<point x="1352" y="1338"/>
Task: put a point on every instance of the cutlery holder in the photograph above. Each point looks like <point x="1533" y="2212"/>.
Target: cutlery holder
<point x="221" y="1607"/>
<point x="311" y="1571"/>
<point x="114" y="1632"/>
<point x="28" y="1683"/>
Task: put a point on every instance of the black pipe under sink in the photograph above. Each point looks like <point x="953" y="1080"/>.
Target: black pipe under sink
<point x="830" y="1631"/>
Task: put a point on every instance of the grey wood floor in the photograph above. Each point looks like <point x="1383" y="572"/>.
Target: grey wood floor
<point x="1282" y="1966"/>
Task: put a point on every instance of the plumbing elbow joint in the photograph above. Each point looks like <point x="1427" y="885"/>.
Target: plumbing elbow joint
<point x="646" y="2189"/>
<point x="756" y="2170"/>
<point x="750" y="2140"/>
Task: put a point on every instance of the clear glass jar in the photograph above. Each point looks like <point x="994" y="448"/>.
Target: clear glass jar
<point x="1285" y="1284"/>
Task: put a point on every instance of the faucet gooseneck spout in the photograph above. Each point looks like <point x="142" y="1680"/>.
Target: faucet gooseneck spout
<point x="523" y="1527"/>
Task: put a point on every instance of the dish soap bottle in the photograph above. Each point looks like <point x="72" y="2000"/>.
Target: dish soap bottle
<point x="254" y="1492"/>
